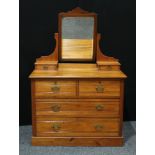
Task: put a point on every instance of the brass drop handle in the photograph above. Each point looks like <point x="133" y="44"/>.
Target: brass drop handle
<point x="98" y="127"/>
<point x="99" y="88"/>
<point x="56" y="127"/>
<point x="99" y="107"/>
<point x="56" y="108"/>
<point x="55" y="88"/>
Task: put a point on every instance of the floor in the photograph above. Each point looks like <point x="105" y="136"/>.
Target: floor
<point x="128" y="149"/>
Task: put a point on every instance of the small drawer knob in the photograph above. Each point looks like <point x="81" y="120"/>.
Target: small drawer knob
<point x="56" y="127"/>
<point x="56" y="108"/>
<point x="45" y="67"/>
<point x="109" y="67"/>
<point x="99" y="88"/>
<point x="99" y="107"/>
<point x="55" y="88"/>
<point x="98" y="127"/>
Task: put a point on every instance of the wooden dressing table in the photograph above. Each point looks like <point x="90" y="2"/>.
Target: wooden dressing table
<point x="77" y="91"/>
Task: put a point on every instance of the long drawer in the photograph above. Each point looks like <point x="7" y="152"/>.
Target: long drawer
<point x="81" y="108"/>
<point x="49" y="126"/>
<point x="99" y="88"/>
<point x="55" y="88"/>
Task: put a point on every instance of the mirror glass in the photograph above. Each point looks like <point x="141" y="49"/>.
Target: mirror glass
<point x="77" y="38"/>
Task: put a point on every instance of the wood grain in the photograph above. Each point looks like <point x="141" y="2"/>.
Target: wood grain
<point x="79" y="126"/>
<point x="77" y="141"/>
<point x="70" y="70"/>
<point x="80" y="49"/>
<point x="121" y="107"/>
<point x="44" y="88"/>
<point x="110" y="88"/>
<point x="109" y="108"/>
<point x="74" y="89"/>
<point x="33" y="104"/>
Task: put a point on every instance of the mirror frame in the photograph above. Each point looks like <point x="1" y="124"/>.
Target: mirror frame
<point x="77" y="12"/>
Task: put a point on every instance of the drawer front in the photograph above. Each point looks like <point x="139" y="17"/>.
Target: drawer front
<point x="54" y="88"/>
<point x="77" y="127"/>
<point x="87" y="108"/>
<point x="103" y="88"/>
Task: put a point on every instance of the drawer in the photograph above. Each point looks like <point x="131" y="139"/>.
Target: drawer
<point x="55" y="88"/>
<point x="100" y="88"/>
<point x="77" y="127"/>
<point x="81" y="108"/>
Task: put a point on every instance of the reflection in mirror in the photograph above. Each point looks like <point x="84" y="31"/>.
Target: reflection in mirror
<point x="77" y="38"/>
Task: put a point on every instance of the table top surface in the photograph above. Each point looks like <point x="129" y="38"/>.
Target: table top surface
<point x="73" y="70"/>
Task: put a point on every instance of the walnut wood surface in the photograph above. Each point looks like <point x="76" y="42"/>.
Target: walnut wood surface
<point x="43" y="88"/>
<point x="74" y="114"/>
<point x="77" y="127"/>
<point x="77" y="104"/>
<point x="33" y="108"/>
<point x="75" y="88"/>
<point x="103" y="62"/>
<point x="70" y="70"/>
<point x="110" y="88"/>
<point x="77" y="141"/>
<point x="80" y="49"/>
<point x="107" y="108"/>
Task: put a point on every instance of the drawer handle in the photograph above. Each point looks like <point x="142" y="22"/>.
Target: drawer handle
<point x="45" y="67"/>
<point x="56" y="108"/>
<point x="56" y="127"/>
<point x="99" y="107"/>
<point x="98" y="127"/>
<point x="55" y="88"/>
<point x="109" y="67"/>
<point x="99" y="88"/>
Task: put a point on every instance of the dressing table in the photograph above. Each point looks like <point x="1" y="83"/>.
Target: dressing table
<point x="77" y="91"/>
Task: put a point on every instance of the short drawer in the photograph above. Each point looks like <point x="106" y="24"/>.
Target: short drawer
<point x="77" y="127"/>
<point x="99" y="88"/>
<point x="82" y="108"/>
<point x="55" y="88"/>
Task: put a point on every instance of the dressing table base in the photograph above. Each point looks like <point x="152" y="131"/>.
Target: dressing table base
<point x="77" y="141"/>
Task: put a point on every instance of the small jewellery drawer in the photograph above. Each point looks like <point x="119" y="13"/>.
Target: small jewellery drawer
<point x="83" y="108"/>
<point x="77" y="127"/>
<point x="99" y="88"/>
<point x="55" y="88"/>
